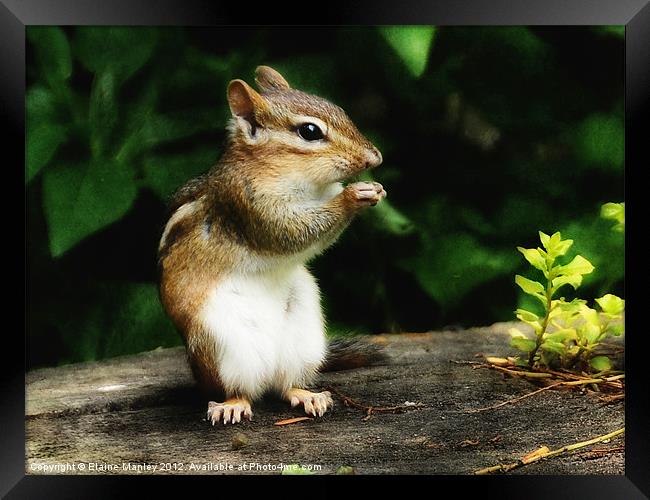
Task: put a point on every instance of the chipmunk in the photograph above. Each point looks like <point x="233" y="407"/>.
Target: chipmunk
<point x="232" y="255"/>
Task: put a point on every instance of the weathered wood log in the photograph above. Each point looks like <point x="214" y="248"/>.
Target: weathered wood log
<point x="131" y="414"/>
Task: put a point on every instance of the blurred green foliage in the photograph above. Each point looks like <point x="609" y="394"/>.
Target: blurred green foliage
<point x="615" y="212"/>
<point x="488" y="135"/>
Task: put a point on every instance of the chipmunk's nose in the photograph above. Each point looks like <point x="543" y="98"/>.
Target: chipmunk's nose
<point x="373" y="157"/>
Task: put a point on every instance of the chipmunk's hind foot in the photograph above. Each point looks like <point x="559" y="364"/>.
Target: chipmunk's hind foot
<point x="231" y="411"/>
<point x="315" y="403"/>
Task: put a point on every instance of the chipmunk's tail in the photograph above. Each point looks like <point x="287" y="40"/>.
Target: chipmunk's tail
<point x="346" y="354"/>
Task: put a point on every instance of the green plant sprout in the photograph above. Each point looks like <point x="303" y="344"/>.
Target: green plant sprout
<point x="568" y="332"/>
<point x="296" y="470"/>
<point x="615" y="212"/>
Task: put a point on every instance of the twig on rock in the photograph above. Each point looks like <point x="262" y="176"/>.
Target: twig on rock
<point x="369" y="409"/>
<point x="289" y="421"/>
<point x="586" y="381"/>
<point x="543" y="453"/>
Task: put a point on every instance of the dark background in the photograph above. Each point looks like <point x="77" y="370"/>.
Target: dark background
<point x="488" y="135"/>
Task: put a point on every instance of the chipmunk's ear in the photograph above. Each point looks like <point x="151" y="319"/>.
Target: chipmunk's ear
<point x="269" y="79"/>
<point x="244" y="100"/>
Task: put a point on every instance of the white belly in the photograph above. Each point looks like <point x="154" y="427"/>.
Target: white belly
<point x="267" y="328"/>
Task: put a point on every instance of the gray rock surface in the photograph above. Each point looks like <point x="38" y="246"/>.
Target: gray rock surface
<point x="143" y="409"/>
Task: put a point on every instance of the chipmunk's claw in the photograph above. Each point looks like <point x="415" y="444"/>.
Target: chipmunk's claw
<point x="314" y="403"/>
<point x="231" y="411"/>
<point x="366" y="194"/>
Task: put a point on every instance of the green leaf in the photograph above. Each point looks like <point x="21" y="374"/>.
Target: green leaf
<point x="589" y="332"/>
<point x="613" y="211"/>
<point x="561" y="309"/>
<point x="616" y="329"/>
<point x="43" y="140"/>
<point x="516" y="333"/>
<point x="530" y="319"/>
<point x="147" y="130"/>
<point x="575" y="280"/>
<point x="600" y="363"/>
<point x="561" y="247"/>
<point x="554" y="244"/>
<point x="573" y="350"/>
<point x="521" y="362"/>
<point x="345" y="470"/>
<point x="52" y="52"/>
<point x="529" y="286"/>
<point x="520" y="44"/>
<point x="554" y="347"/>
<point x="611" y="304"/>
<point x="102" y="113"/>
<point x="562" y="335"/>
<point x="164" y="174"/>
<point x="600" y="141"/>
<point x="45" y="129"/>
<point x="309" y="72"/>
<point x="525" y="345"/>
<point x="296" y="470"/>
<point x="137" y="321"/>
<point x="82" y="199"/>
<point x="412" y="44"/>
<point x="578" y="266"/>
<point x="548" y="358"/>
<point x="119" y="50"/>
<point x="118" y="318"/>
<point x="545" y="239"/>
<point x="42" y="105"/>
<point x="390" y="220"/>
<point x="605" y="249"/>
<point x="448" y="268"/>
<point x="590" y="315"/>
<point x="616" y="212"/>
<point x="527" y="316"/>
<point x="556" y="239"/>
<point x="534" y="257"/>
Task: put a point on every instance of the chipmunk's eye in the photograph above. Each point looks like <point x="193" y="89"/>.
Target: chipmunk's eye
<point x="310" y="132"/>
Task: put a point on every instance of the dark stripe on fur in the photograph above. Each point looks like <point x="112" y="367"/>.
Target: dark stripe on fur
<point x="176" y="232"/>
<point x="346" y="354"/>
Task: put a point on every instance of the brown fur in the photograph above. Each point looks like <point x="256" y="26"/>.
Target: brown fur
<point x="238" y="209"/>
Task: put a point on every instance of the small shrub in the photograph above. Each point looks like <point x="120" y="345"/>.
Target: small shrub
<point x="568" y="332"/>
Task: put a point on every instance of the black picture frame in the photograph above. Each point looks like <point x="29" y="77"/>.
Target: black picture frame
<point x="634" y="14"/>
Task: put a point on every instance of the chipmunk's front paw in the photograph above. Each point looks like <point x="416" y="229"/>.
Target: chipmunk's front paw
<point x="364" y="194"/>
<point x="315" y="403"/>
<point x="230" y="411"/>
